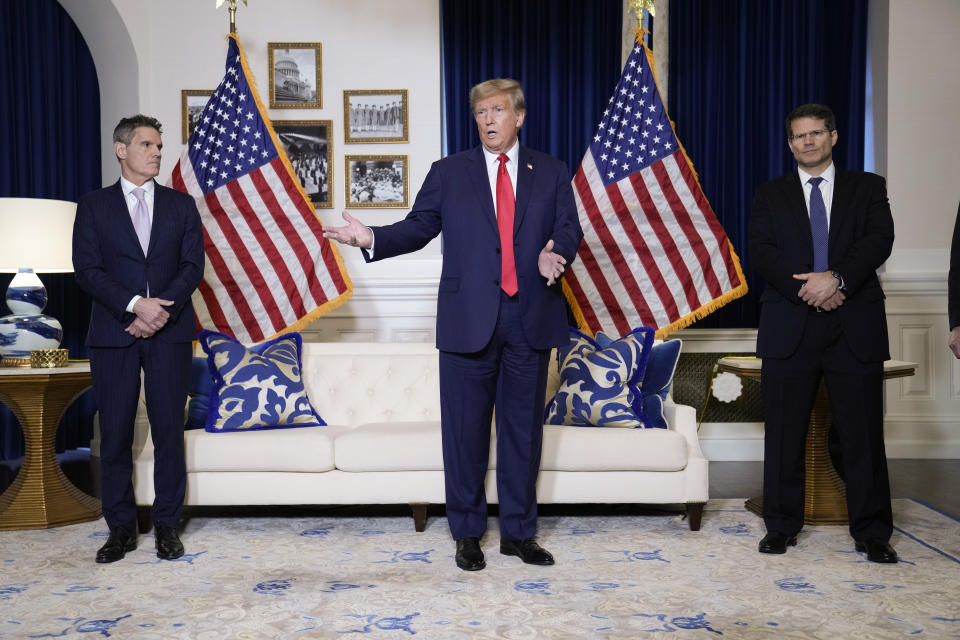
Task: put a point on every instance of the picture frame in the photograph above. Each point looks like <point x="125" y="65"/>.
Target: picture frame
<point x="375" y="115"/>
<point x="376" y="182"/>
<point x="309" y="147"/>
<point x="192" y="102"/>
<point x="295" y="71"/>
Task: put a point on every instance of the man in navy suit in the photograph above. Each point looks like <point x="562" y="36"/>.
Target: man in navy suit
<point x="817" y="236"/>
<point x="138" y="251"/>
<point x="509" y="226"/>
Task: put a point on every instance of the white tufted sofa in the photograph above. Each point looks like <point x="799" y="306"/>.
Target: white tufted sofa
<point x="382" y="403"/>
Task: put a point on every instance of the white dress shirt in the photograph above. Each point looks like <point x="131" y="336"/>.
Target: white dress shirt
<point x="826" y="188"/>
<point x="127" y="187"/>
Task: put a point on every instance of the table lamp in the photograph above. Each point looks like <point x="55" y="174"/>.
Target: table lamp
<point x="36" y="236"/>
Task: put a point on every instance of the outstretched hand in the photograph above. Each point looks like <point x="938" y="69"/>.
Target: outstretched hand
<point x="551" y="264"/>
<point x="355" y="233"/>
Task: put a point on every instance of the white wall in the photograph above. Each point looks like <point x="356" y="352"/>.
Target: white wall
<point x="146" y="52"/>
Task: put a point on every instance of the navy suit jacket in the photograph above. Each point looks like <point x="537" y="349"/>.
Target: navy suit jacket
<point x="455" y="200"/>
<point x="861" y="238"/>
<point x="109" y="263"/>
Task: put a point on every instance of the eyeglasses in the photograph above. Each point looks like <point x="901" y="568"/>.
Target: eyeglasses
<point x="816" y="133"/>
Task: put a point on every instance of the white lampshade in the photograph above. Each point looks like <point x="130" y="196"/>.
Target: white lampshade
<point x="36" y="234"/>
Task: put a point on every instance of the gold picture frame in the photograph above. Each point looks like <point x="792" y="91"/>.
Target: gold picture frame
<point x="192" y="102"/>
<point x="376" y="182"/>
<point x="296" y="78"/>
<point x="375" y="116"/>
<point x="309" y="147"/>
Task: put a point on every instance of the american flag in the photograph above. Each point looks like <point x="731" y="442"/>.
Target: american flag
<point x="269" y="269"/>
<point x="653" y="253"/>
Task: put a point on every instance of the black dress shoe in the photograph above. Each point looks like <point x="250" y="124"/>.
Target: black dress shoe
<point x="775" y="542"/>
<point x="528" y="550"/>
<point x="469" y="555"/>
<point x="169" y="546"/>
<point x="120" y="541"/>
<point x="877" y="551"/>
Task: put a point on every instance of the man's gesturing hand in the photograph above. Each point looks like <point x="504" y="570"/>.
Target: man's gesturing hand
<point x="355" y="233"/>
<point x="550" y="264"/>
<point x="151" y="311"/>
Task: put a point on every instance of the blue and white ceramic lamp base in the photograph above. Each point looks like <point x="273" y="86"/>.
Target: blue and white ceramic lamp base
<point x="27" y="328"/>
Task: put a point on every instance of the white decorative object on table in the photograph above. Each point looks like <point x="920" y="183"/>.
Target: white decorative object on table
<point x="727" y="387"/>
<point x="37" y="237"/>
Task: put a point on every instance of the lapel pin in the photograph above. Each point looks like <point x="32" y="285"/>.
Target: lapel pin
<point x="530" y="166"/>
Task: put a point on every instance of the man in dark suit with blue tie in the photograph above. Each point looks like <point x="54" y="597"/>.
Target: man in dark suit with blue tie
<point x="138" y="251"/>
<point x="509" y="226"/>
<point x="817" y="236"/>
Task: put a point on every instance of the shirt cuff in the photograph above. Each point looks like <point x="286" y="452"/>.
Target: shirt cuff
<point x="132" y="302"/>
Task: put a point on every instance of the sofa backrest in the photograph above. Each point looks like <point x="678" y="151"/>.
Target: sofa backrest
<point x="351" y="383"/>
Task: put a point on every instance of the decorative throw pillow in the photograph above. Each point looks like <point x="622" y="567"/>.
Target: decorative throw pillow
<point x="657" y="380"/>
<point x="198" y="392"/>
<point x="599" y="384"/>
<point x="258" y="387"/>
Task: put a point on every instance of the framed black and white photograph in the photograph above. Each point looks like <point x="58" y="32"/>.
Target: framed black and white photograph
<point x="375" y="115"/>
<point x="376" y="182"/>
<point x="295" y="77"/>
<point x="192" y="102"/>
<point x="309" y="146"/>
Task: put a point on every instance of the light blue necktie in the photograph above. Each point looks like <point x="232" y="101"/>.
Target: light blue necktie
<point x="818" y="226"/>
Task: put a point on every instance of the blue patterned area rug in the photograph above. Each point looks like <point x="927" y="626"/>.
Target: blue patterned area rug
<point x="634" y="576"/>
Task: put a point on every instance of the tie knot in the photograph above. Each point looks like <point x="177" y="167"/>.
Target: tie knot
<point x="503" y="158"/>
<point x="815" y="182"/>
<point x="140" y="193"/>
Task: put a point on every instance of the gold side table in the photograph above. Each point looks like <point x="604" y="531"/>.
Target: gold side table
<point x="825" y="494"/>
<point x="41" y="496"/>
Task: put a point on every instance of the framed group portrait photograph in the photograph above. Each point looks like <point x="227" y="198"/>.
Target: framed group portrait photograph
<point x="309" y="146"/>
<point x="375" y="115"/>
<point x="376" y="182"/>
<point x="192" y="102"/>
<point x="295" y="75"/>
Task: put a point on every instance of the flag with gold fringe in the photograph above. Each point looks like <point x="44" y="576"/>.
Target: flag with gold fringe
<point x="653" y="252"/>
<point x="269" y="270"/>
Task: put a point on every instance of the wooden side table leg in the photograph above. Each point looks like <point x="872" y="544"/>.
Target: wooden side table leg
<point x="41" y="496"/>
<point x="825" y="495"/>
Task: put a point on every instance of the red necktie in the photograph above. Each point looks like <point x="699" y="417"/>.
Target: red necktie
<point x="505" y="206"/>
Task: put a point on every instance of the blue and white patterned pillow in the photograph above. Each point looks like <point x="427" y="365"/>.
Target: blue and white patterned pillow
<point x="599" y="386"/>
<point x="657" y="380"/>
<point x="258" y="387"/>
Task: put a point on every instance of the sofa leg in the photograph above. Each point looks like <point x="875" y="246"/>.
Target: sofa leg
<point x="144" y="523"/>
<point x="694" y="514"/>
<point x="419" y="515"/>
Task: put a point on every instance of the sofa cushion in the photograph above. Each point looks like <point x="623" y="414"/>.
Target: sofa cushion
<point x="599" y="383"/>
<point x="198" y="392"/>
<point x="657" y="380"/>
<point x="578" y="449"/>
<point x="390" y="446"/>
<point x="307" y="450"/>
<point x="258" y="387"/>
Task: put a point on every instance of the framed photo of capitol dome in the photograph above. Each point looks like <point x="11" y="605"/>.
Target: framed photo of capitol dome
<point x="295" y="76"/>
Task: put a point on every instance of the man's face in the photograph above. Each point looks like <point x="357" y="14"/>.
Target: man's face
<point x="497" y="122"/>
<point x="813" y="152"/>
<point x="140" y="160"/>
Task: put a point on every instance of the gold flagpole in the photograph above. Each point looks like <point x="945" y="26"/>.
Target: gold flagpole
<point x="232" y="10"/>
<point x="640" y="8"/>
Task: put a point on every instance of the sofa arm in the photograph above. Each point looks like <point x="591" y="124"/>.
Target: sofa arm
<point x="683" y="419"/>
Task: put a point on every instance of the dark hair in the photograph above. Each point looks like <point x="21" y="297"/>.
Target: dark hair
<point x="124" y="130"/>
<point x="816" y="111"/>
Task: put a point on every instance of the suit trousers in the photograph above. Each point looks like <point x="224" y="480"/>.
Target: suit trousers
<point x="116" y="387"/>
<point x="512" y="375"/>
<point x="855" y="390"/>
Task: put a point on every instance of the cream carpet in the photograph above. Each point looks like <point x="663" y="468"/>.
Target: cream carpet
<point x="635" y="576"/>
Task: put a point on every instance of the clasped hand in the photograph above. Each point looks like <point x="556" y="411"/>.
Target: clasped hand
<point x="151" y="317"/>
<point x="821" y="290"/>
